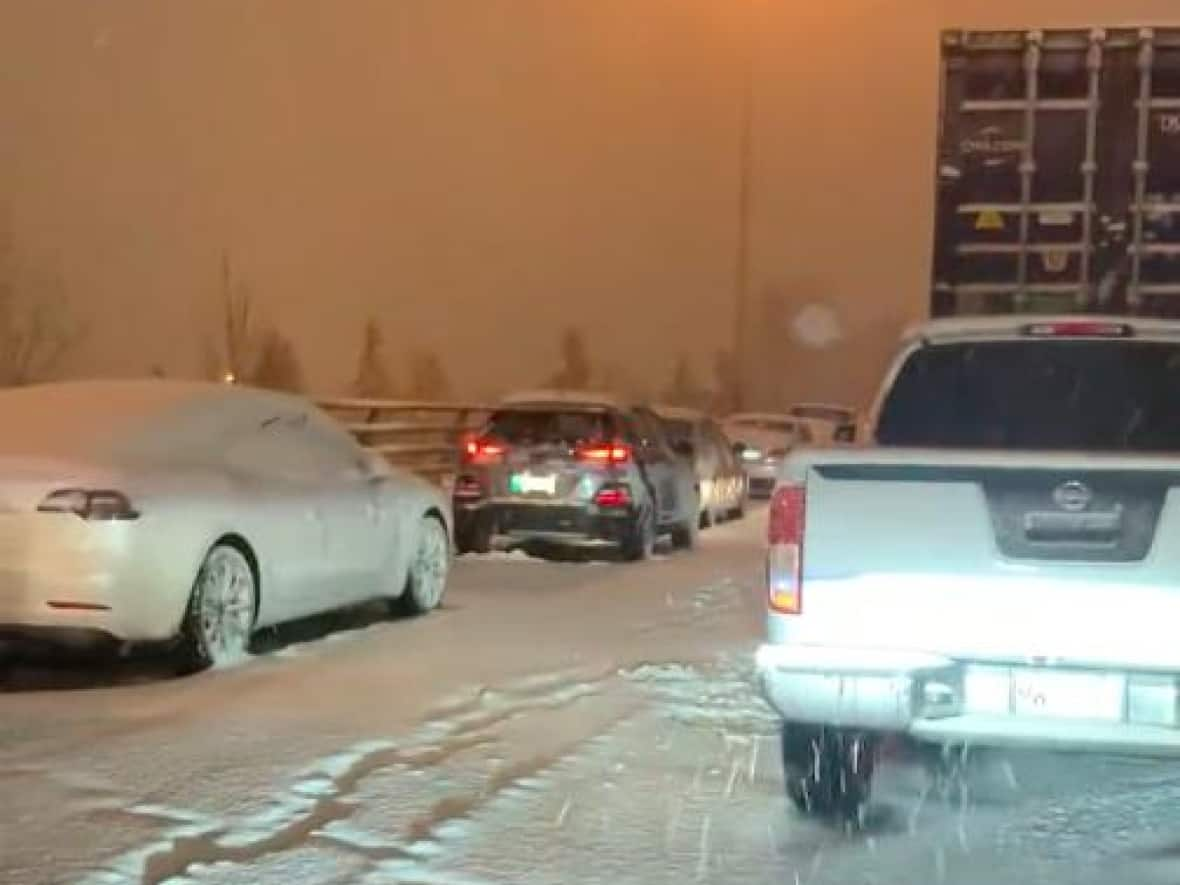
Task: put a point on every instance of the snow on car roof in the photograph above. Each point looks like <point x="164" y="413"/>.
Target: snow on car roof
<point x="1011" y="325"/>
<point x="79" y="417"/>
<point x="739" y="417"/>
<point x="678" y="413"/>
<point x="562" y="397"/>
<point x="833" y="407"/>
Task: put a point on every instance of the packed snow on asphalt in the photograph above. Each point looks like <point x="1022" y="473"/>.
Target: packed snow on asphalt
<point x="553" y="723"/>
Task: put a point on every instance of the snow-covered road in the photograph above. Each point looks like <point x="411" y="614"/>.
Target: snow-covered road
<point x="556" y="722"/>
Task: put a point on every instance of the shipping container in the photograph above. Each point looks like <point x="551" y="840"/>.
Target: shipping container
<point x="1058" y="179"/>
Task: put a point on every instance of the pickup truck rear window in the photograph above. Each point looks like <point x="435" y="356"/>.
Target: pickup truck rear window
<point x="1042" y="395"/>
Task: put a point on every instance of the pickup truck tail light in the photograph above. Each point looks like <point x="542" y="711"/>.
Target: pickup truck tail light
<point x="784" y="559"/>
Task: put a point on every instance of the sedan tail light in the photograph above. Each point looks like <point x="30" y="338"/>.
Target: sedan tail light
<point x="784" y="560"/>
<point x="100" y="505"/>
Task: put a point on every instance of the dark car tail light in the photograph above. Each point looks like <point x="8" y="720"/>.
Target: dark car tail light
<point x="101" y="505"/>
<point x="611" y="454"/>
<point x="612" y="497"/>
<point x="784" y="559"/>
<point x="483" y="451"/>
<point x="468" y="488"/>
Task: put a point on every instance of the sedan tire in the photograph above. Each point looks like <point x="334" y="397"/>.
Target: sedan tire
<point x="427" y="581"/>
<point x="222" y="607"/>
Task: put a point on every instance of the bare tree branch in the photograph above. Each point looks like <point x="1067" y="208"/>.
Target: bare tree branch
<point x="36" y="328"/>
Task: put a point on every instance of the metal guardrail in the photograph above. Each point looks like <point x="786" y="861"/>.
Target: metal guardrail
<point x="421" y="436"/>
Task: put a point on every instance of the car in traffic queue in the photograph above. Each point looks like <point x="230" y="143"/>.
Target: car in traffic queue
<point x="978" y="495"/>
<point x="761" y="440"/>
<point x="193" y="514"/>
<point x="722" y="482"/>
<point x="829" y="423"/>
<point x="576" y="470"/>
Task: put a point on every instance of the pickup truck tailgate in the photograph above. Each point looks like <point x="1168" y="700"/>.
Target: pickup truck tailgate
<point x="991" y="556"/>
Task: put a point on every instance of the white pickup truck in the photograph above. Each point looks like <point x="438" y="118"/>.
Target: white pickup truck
<point x="998" y="565"/>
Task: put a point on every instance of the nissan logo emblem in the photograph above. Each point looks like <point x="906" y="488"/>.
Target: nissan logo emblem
<point x="1072" y="496"/>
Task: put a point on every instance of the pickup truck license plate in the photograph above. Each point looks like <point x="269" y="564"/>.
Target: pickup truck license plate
<point x="534" y="483"/>
<point x="1067" y="695"/>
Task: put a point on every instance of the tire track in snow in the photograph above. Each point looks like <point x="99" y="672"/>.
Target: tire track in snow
<point x="322" y="797"/>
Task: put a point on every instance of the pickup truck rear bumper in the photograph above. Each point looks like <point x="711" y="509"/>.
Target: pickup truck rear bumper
<point x="945" y="701"/>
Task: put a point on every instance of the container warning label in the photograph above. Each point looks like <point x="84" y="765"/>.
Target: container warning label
<point x="1055" y="260"/>
<point x="989" y="219"/>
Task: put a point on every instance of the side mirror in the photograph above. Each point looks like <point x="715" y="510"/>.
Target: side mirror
<point x="845" y="433"/>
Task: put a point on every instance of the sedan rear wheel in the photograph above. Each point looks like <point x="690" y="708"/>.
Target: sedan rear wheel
<point x="428" y="570"/>
<point x="221" y="611"/>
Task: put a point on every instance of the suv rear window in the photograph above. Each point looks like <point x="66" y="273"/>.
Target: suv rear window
<point x="1041" y="395"/>
<point x="523" y="426"/>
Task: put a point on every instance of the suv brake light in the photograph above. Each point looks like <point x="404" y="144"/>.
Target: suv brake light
<point x="483" y="451"/>
<point x="611" y="454"/>
<point x="1079" y="329"/>
<point x="784" y="559"/>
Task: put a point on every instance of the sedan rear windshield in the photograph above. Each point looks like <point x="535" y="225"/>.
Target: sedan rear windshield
<point x="1041" y="395"/>
<point x="551" y="426"/>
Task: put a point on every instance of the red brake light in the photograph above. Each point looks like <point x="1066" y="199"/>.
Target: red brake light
<point x="613" y="496"/>
<point x="1079" y="329"/>
<point x="784" y="560"/>
<point x="611" y="454"/>
<point x="483" y="451"/>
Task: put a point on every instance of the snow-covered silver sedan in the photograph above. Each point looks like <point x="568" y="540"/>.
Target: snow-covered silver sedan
<point x="144" y="511"/>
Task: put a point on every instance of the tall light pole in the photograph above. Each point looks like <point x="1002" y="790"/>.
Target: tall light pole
<point x="741" y="293"/>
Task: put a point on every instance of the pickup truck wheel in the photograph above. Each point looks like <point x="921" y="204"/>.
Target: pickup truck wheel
<point x="828" y="772"/>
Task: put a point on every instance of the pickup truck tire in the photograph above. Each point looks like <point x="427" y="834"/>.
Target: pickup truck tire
<point x="828" y="772"/>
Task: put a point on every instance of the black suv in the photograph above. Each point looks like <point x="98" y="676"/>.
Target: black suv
<point x="573" y="470"/>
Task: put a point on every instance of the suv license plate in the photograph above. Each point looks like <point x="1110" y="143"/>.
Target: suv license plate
<point x="534" y="483"/>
